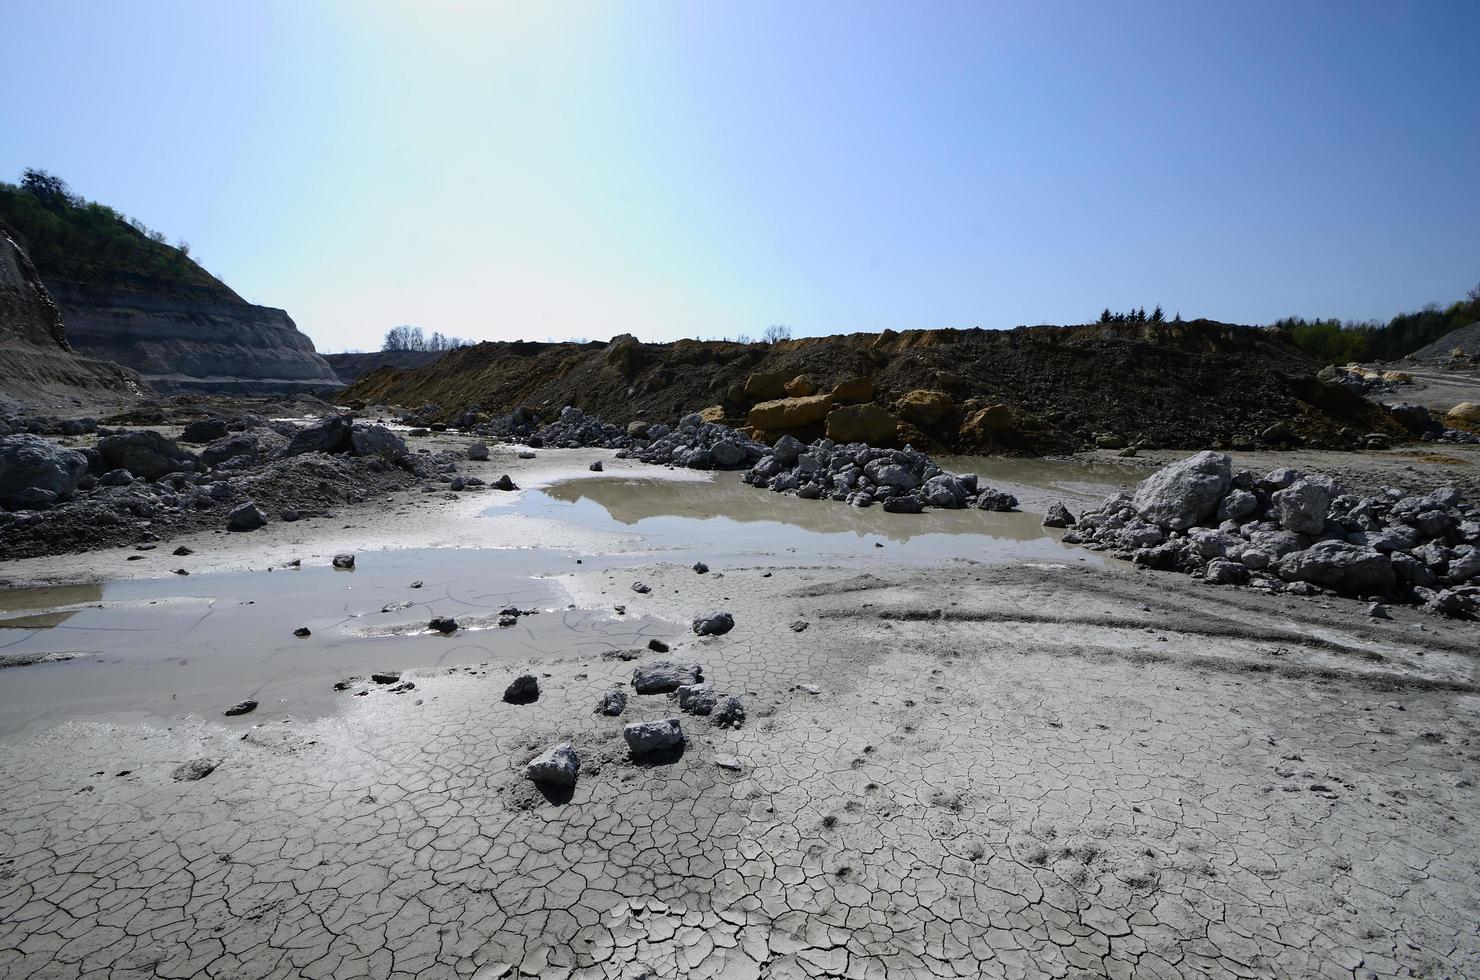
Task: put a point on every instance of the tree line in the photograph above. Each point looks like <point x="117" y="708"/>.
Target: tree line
<point x="1137" y="316"/>
<point x="1339" y="342"/>
<point x="407" y="337"/>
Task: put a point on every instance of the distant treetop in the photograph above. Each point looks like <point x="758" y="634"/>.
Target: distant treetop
<point x="407" y="337"/>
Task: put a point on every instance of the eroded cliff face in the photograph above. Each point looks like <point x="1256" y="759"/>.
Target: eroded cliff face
<point x="190" y="337"/>
<point x="37" y="365"/>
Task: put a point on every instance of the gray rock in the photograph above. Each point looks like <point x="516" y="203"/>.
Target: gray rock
<point x="728" y="455"/>
<point x="204" y="430"/>
<point x="329" y="435"/>
<point x="904" y="504"/>
<point x="378" y="441"/>
<point x="346" y="561"/>
<point x="556" y="767"/>
<point x="596" y="467"/>
<point x="663" y="676"/>
<point x="36" y="472"/>
<point x="641" y="588"/>
<point x="246" y="516"/>
<point x="648" y="737"/>
<point x="116" y="478"/>
<point x="241" y="708"/>
<point x="713" y="624"/>
<point x="478" y="452"/>
<point x="442" y="624"/>
<point x="1058" y="516"/>
<point x="1237" y="505"/>
<point x="1221" y="571"/>
<point x="193" y="770"/>
<point x="525" y="689"/>
<point x="788" y="450"/>
<point x="700" y="567"/>
<point x="611" y="703"/>
<point x="729" y="713"/>
<point x="728" y="763"/>
<point x="144" y="453"/>
<point x="1302" y="507"/>
<point x="697" y="699"/>
<point x="1186" y="492"/>
<point x="1341" y="567"/>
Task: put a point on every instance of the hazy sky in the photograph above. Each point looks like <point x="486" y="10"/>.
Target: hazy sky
<point x="541" y="169"/>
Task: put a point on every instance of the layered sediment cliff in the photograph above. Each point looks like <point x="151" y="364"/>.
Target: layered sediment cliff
<point x="126" y="295"/>
<point x="36" y="362"/>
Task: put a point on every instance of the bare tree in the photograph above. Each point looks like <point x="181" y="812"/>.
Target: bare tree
<point x="776" y="332"/>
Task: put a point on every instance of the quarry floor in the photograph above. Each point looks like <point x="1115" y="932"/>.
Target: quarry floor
<point x="1034" y="763"/>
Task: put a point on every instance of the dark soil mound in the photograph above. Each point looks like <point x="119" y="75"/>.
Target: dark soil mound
<point x="1029" y="390"/>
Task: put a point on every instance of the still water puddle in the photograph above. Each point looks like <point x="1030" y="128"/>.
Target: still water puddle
<point x="171" y="648"/>
<point x="723" y="520"/>
<point x="166" y="648"/>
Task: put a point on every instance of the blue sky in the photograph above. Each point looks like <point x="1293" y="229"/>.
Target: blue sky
<point x="704" y="169"/>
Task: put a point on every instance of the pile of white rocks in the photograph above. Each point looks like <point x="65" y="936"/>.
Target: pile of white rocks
<point x="1288" y="531"/>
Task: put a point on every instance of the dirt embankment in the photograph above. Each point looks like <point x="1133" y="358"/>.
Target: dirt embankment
<point x="1029" y="390"/>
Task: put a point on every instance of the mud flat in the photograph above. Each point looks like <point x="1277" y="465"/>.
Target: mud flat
<point x="987" y="758"/>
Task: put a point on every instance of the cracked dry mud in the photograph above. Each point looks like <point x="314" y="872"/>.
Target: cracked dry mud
<point x="1046" y="771"/>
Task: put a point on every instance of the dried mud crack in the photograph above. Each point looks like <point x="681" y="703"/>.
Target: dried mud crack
<point x="989" y="791"/>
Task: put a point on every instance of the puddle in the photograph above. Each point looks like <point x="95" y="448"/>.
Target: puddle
<point x="724" y="521"/>
<point x="167" y="648"/>
<point x="170" y="648"/>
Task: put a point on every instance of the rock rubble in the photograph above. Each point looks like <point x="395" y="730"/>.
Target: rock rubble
<point x="1289" y="531"/>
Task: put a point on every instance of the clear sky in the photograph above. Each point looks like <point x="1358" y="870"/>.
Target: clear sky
<point x="539" y="169"/>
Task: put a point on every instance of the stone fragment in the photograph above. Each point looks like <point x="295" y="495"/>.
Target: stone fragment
<point x="524" y="689"/>
<point x="713" y="624"/>
<point x="649" y="737"/>
<point x="556" y="767"/>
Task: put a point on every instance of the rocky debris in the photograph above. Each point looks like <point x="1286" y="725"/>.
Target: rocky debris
<point x="657" y="646"/>
<point x="1378" y="611"/>
<point x="651" y="737"/>
<point x="302" y="631"/>
<point x="701" y="568"/>
<point x="245" y="516"/>
<point x="144" y="453"/>
<point x="182" y="551"/>
<point x="344" y="561"/>
<point x="641" y="588"/>
<point x="36" y="472"/>
<point x="330" y="434"/>
<point x="729" y="713"/>
<point x="442" y="624"/>
<point x="904" y="480"/>
<point x="596" y="467"/>
<point x="524" y="689"/>
<point x="193" y="770"/>
<point x="1058" y="516"/>
<point x="799" y="626"/>
<point x="574" y="429"/>
<point x="713" y="624"/>
<point x="727" y="762"/>
<point x="664" y="676"/>
<point x="697" y="445"/>
<point x="386" y="676"/>
<point x="241" y="708"/>
<point x="1296" y="532"/>
<point x="696" y="699"/>
<point x="611" y="703"/>
<point x="478" y="452"/>
<point x="204" y="430"/>
<point x="377" y="441"/>
<point x="557" y="767"/>
<point x="1184" y="493"/>
<point x="504" y="483"/>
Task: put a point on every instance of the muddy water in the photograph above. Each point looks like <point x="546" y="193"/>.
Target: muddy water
<point x="167" y="648"/>
<point x="723" y="521"/>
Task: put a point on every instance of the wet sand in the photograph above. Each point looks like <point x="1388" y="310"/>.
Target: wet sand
<point x="1003" y="763"/>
